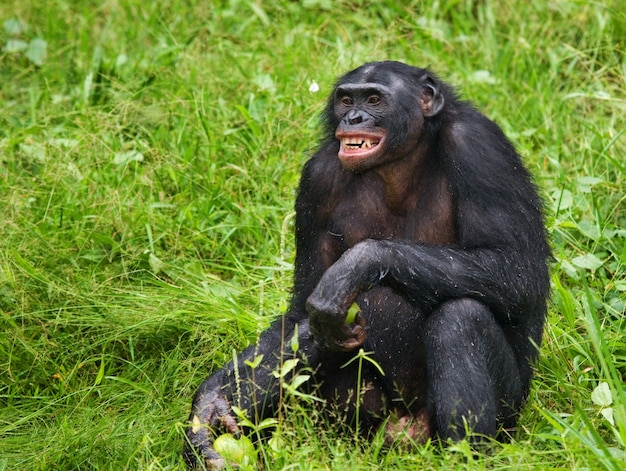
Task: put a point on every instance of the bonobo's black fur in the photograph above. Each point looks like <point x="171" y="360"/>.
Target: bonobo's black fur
<point x="417" y="207"/>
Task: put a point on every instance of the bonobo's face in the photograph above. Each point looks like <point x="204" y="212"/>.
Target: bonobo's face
<point x="379" y="115"/>
<point x="361" y="110"/>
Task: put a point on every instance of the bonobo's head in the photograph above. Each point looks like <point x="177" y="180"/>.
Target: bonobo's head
<point x="378" y="112"/>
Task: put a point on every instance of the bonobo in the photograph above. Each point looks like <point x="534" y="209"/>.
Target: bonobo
<point x="418" y="208"/>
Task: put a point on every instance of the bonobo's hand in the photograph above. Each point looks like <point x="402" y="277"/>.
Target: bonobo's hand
<point x="213" y="415"/>
<point x="329" y="327"/>
<point x="328" y="304"/>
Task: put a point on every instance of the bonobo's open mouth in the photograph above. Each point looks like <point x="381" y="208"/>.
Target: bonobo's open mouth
<point x="353" y="143"/>
<point x="356" y="147"/>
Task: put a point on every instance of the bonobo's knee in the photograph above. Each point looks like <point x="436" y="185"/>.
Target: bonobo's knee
<point x="461" y="320"/>
<point x="466" y="331"/>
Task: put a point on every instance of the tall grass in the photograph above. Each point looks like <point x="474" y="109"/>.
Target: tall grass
<point x="149" y="154"/>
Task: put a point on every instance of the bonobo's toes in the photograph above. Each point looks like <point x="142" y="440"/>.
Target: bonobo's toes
<point x="211" y="416"/>
<point x="406" y="431"/>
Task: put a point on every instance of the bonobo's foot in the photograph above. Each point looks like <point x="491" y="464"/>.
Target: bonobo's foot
<point x="406" y="431"/>
<point x="211" y="415"/>
<point x="330" y="331"/>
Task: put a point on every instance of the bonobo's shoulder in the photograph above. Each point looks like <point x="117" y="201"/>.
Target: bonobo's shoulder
<point x="321" y="182"/>
<point x="462" y="116"/>
<point x="323" y="169"/>
<point x="325" y="156"/>
<point x="464" y="124"/>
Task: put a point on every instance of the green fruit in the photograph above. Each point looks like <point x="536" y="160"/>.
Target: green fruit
<point x="237" y="450"/>
<point x="352" y="313"/>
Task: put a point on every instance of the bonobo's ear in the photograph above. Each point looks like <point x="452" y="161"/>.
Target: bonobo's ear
<point x="431" y="100"/>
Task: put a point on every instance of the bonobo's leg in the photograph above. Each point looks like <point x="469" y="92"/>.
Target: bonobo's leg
<point x="395" y="338"/>
<point x="395" y="330"/>
<point x="473" y="376"/>
<point x="253" y="389"/>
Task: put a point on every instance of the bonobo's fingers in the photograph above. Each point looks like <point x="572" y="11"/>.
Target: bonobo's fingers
<point x="358" y="333"/>
<point x="330" y="332"/>
<point x="211" y="415"/>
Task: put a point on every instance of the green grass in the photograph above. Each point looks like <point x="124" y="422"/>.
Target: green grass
<point x="148" y="164"/>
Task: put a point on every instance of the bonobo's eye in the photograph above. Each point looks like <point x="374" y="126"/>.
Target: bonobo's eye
<point x="373" y="100"/>
<point x="347" y="101"/>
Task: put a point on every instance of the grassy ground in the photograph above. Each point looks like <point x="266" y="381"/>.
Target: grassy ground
<point x="149" y="153"/>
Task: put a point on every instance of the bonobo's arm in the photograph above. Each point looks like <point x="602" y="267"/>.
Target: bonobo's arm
<point x="427" y="276"/>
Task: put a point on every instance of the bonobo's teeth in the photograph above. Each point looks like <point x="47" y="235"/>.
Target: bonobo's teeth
<point x="359" y="142"/>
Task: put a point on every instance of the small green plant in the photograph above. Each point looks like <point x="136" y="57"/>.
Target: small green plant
<point x="361" y="356"/>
